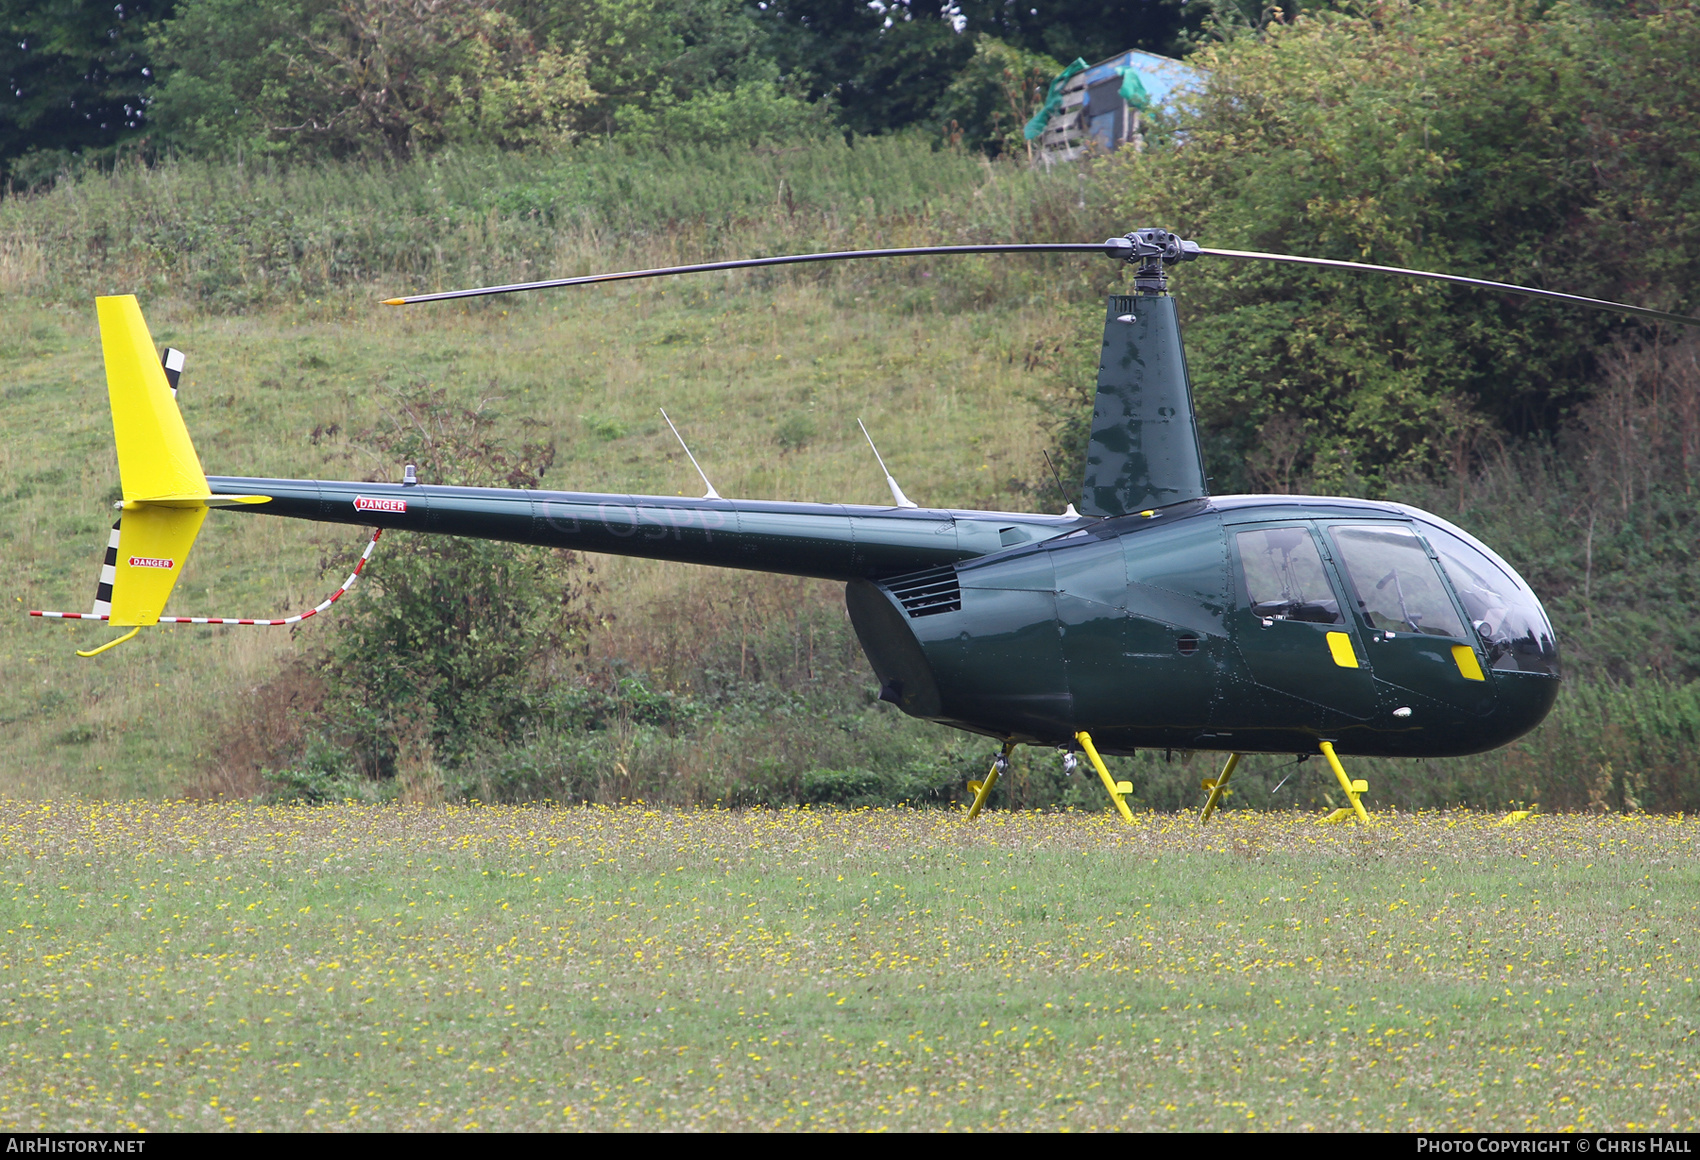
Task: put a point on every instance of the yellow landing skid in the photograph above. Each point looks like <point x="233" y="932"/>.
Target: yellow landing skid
<point x="983" y="789"/>
<point x="1516" y="816"/>
<point x="1352" y="788"/>
<point x="1218" y="787"/>
<point x="1116" y="789"/>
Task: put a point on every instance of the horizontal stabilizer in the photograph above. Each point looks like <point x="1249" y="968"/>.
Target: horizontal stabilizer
<point x="192" y="501"/>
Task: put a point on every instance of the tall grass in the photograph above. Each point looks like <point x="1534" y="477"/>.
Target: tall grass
<point x="231" y="235"/>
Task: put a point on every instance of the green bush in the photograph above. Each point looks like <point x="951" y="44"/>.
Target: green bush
<point x="989" y="103"/>
<point x="465" y="638"/>
<point x="747" y="115"/>
<point x="323" y="774"/>
<point x="918" y="783"/>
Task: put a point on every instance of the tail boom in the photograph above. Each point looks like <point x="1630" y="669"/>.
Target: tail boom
<point x="826" y="541"/>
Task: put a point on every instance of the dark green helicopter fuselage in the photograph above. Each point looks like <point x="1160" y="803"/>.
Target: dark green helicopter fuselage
<point x="1256" y="624"/>
<point x="1163" y="617"/>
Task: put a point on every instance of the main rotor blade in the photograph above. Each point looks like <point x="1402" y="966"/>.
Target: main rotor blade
<point x="746" y="263"/>
<point x="1479" y="283"/>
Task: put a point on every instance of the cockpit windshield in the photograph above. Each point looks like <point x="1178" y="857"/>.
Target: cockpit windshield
<point x="1502" y="608"/>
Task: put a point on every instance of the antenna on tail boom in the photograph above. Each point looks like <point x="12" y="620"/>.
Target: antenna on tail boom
<point x="1068" y="504"/>
<point x="711" y="493"/>
<point x="897" y="496"/>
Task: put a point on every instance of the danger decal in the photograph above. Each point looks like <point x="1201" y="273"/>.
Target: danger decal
<point x="165" y="562"/>
<point x="377" y="503"/>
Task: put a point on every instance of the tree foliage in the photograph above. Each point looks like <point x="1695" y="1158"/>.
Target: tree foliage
<point x="990" y="101"/>
<point x="645" y="56"/>
<point x="362" y="77"/>
<point x="1095" y="29"/>
<point x="77" y="73"/>
<point x="1486" y="138"/>
<point x="391" y="78"/>
<point x="751" y="113"/>
<point x="893" y="65"/>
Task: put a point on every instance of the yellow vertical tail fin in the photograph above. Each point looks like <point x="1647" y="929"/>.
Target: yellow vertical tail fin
<point x="156" y="459"/>
<point x="165" y="491"/>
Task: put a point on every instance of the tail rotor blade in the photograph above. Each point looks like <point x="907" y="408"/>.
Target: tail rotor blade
<point x="1459" y="279"/>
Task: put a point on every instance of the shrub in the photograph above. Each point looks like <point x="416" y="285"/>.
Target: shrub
<point x="458" y="641"/>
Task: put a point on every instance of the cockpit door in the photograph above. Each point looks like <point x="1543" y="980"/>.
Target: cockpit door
<point x="1416" y="639"/>
<point x="1289" y="626"/>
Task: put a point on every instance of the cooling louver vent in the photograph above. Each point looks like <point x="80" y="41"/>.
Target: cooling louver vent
<point x="928" y="593"/>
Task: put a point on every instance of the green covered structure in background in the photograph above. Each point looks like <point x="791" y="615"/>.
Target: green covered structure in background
<point x="1100" y="106"/>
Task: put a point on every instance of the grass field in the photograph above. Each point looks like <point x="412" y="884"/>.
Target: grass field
<point x="168" y="965"/>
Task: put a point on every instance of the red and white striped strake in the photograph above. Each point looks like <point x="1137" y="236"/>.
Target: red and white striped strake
<point x="271" y="623"/>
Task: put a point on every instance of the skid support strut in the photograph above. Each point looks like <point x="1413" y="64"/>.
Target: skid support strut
<point x="1352" y="788"/>
<point x="1113" y="787"/>
<point x="983" y="789"/>
<point x="1218" y="787"/>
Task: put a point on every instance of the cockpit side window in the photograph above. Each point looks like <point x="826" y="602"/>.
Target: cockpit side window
<point x="1284" y="579"/>
<point x="1394" y="581"/>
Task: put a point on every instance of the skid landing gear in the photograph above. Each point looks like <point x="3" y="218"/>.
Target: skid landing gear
<point x="983" y="789"/>
<point x="1116" y="789"/>
<point x="1352" y="788"/>
<point x="1218" y="788"/>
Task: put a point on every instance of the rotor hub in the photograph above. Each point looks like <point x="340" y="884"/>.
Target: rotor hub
<point x="1153" y="249"/>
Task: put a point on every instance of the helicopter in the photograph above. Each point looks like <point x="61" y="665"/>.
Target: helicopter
<point x="1150" y="615"/>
